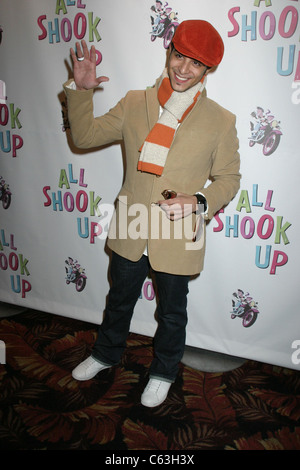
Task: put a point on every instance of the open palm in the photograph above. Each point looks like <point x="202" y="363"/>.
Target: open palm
<point x="85" y="70"/>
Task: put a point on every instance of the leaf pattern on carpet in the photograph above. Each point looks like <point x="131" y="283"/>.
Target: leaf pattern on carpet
<point x="254" y="407"/>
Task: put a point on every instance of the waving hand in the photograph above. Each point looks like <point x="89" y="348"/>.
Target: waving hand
<point x="84" y="65"/>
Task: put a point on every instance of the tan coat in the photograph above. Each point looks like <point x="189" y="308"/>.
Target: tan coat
<point x="205" y="147"/>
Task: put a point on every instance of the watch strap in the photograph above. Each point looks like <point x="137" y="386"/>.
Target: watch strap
<point x="202" y="200"/>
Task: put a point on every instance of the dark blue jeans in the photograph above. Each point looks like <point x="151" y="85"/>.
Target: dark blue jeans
<point x="127" y="280"/>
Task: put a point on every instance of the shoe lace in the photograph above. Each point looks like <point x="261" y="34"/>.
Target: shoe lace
<point x="154" y="385"/>
<point x="90" y="361"/>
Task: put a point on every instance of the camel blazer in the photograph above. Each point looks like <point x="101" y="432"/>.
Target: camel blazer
<point x="205" y="148"/>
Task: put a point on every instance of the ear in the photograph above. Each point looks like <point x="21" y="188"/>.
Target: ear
<point x="168" y="53"/>
<point x="212" y="69"/>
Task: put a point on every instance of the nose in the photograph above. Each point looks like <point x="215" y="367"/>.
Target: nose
<point x="184" y="66"/>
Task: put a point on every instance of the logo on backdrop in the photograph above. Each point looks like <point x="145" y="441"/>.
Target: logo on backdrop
<point x="75" y="274"/>
<point x="11" y="260"/>
<point x="64" y="29"/>
<point x="10" y="142"/>
<point x="266" y="227"/>
<point x="265" y="131"/>
<point x="164" y="22"/>
<point x="5" y="193"/>
<point x="82" y="201"/>
<point x="264" y="26"/>
<point x="244" y="307"/>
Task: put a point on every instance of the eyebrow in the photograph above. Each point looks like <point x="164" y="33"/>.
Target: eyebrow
<point x="199" y="62"/>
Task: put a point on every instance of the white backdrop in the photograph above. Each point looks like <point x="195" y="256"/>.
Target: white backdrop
<point x="61" y="198"/>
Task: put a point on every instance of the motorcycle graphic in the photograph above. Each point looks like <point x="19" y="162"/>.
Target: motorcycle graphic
<point x="164" y="25"/>
<point x="5" y="194"/>
<point x="244" y="307"/>
<point x="75" y="274"/>
<point x="265" y="131"/>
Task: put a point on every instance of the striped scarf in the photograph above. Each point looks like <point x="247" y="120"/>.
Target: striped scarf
<point x="176" y="106"/>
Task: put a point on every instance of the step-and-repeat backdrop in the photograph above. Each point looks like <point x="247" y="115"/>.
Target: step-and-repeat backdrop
<point x="56" y="201"/>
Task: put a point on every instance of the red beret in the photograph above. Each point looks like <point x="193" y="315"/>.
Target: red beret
<point x="199" y="40"/>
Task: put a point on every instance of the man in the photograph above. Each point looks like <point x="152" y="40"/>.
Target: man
<point x="175" y="138"/>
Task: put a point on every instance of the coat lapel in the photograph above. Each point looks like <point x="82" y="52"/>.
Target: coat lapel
<point x="152" y="106"/>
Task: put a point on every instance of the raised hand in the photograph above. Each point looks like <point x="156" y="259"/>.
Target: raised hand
<point x="84" y="67"/>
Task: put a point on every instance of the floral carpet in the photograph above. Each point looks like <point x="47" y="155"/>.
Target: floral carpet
<point x="254" y="407"/>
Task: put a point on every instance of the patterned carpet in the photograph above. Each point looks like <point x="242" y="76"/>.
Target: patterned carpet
<point x="255" y="407"/>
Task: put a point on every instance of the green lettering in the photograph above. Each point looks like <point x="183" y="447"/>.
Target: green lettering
<point x="14" y="116"/>
<point x="93" y="27"/>
<point x="244" y="201"/>
<point x="280" y="231"/>
<point x="63" y="179"/>
<point x="60" y="5"/>
<point x="94" y="204"/>
<point x="267" y="2"/>
<point x="23" y="268"/>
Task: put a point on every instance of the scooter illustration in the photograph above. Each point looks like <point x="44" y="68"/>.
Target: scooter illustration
<point x="265" y="131"/>
<point x="164" y="25"/>
<point x="5" y="194"/>
<point x="243" y="306"/>
<point x="75" y="274"/>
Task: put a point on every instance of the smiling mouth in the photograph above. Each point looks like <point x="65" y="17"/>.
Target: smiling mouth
<point x="180" y="79"/>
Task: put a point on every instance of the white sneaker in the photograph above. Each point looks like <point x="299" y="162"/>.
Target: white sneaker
<point x="155" y="392"/>
<point x="87" y="369"/>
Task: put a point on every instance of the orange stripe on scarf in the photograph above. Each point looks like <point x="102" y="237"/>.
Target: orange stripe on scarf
<point x="164" y="92"/>
<point x="150" y="168"/>
<point x="161" y="135"/>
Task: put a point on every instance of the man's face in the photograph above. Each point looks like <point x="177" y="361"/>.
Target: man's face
<point x="184" y="72"/>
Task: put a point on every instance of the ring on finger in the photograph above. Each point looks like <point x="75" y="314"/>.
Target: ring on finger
<point x="80" y="59"/>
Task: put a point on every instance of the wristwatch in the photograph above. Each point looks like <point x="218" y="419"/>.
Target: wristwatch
<point x="201" y="200"/>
